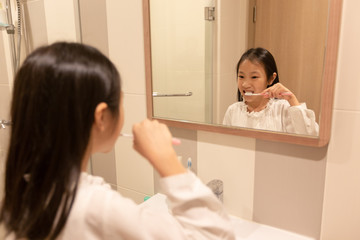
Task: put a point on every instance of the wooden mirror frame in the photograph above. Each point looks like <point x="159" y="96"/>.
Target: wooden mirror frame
<point x="327" y="90"/>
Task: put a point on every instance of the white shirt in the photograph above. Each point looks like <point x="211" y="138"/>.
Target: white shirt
<point x="277" y="116"/>
<point x="102" y="213"/>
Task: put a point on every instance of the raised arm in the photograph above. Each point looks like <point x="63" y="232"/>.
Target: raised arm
<point x="153" y="141"/>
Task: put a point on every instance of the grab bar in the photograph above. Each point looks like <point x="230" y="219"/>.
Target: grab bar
<point x="156" y="94"/>
<point x="4" y="123"/>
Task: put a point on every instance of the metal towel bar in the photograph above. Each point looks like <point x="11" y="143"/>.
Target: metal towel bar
<point x="156" y="94"/>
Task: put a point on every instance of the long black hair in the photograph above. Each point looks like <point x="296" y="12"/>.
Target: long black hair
<point x="56" y="91"/>
<point x="263" y="57"/>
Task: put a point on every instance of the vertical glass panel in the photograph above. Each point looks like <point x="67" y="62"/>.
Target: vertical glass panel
<point x="181" y="68"/>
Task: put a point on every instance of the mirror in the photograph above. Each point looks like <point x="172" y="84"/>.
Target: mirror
<point x="191" y="65"/>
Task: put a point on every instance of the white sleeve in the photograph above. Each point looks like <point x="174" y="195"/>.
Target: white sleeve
<point x="195" y="214"/>
<point x="300" y="120"/>
<point x="199" y="212"/>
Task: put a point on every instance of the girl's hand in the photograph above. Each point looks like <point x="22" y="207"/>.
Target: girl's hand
<point x="153" y="141"/>
<point x="281" y="92"/>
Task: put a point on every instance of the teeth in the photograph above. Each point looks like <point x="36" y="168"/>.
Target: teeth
<point x="252" y="94"/>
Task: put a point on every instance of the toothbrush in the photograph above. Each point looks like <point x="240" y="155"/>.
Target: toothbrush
<point x="189" y="163"/>
<point x="258" y="94"/>
<point x="175" y="141"/>
<point x="254" y="94"/>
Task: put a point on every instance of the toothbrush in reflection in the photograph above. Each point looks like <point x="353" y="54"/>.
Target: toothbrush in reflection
<point x="254" y="94"/>
<point x="175" y="141"/>
<point x="258" y="94"/>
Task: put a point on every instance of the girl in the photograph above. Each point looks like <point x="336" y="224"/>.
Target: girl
<point x="67" y="104"/>
<point x="273" y="107"/>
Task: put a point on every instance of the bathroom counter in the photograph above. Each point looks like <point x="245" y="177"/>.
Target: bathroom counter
<point x="244" y="229"/>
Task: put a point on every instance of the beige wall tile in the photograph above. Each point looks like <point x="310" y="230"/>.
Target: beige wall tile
<point x="94" y="29"/>
<point x="60" y="20"/>
<point x="3" y="153"/>
<point x="347" y="81"/>
<point x="4" y="143"/>
<point x="132" y="170"/>
<point x="3" y="64"/>
<point x="230" y="159"/>
<point x="126" y="43"/>
<point x="341" y="213"/>
<point x="6" y="71"/>
<point x="135" y="110"/>
<point x="103" y="164"/>
<point x="2" y="231"/>
<point x="289" y="184"/>
<point x="5" y="99"/>
<point x="35" y="23"/>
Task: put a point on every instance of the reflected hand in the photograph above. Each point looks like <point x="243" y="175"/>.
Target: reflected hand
<point x="281" y="92"/>
<point x="153" y="141"/>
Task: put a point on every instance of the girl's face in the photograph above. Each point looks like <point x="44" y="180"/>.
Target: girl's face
<point x="251" y="78"/>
